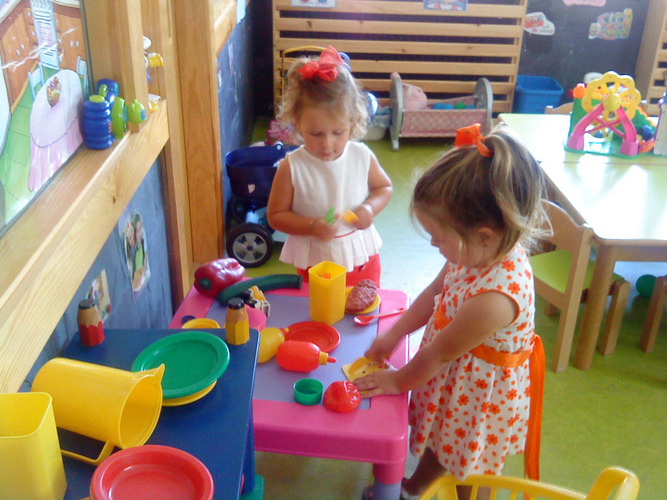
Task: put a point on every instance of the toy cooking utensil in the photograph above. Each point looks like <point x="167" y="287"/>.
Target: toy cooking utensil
<point x="372" y="307"/>
<point x="365" y="319"/>
<point x="324" y="336"/>
<point x="362" y="367"/>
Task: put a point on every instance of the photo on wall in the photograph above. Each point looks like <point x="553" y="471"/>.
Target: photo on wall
<point x="99" y="294"/>
<point x="133" y="235"/>
<point x="45" y="82"/>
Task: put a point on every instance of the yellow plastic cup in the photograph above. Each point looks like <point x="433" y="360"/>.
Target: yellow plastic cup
<point x="118" y="407"/>
<point x="201" y="323"/>
<point x="30" y="461"/>
<point x="327" y="292"/>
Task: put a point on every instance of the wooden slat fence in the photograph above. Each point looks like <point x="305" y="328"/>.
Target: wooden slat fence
<point x="444" y="52"/>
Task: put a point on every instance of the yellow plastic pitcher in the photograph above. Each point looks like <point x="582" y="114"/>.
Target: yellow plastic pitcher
<point x="118" y="407"/>
<point x="327" y="292"/>
<point x="31" y="466"/>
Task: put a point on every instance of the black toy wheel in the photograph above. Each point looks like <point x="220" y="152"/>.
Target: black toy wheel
<point x="236" y="209"/>
<point x="250" y="244"/>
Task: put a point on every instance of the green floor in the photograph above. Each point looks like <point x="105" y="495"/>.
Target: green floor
<point x="612" y="414"/>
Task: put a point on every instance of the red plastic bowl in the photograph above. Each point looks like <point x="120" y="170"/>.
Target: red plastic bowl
<point x="151" y="472"/>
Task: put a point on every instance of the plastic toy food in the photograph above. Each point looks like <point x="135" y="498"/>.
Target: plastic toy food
<point x="342" y="396"/>
<point x="270" y="339"/>
<point x="212" y="278"/>
<point x="300" y="356"/>
<point x="264" y="283"/>
<point x="237" y="326"/>
<point x="361" y="296"/>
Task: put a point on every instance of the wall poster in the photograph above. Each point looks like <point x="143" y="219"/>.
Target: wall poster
<point x="45" y="81"/>
<point x="458" y="5"/>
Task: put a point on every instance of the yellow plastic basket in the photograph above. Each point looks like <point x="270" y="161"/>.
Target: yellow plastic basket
<point x="613" y="483"/>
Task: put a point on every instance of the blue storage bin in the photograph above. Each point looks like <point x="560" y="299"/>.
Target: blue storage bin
<point x="534" y="93"/>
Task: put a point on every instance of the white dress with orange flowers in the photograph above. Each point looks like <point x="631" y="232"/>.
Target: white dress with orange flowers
<point x="473" y="413"/>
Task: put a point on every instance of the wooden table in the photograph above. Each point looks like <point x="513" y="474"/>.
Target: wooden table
<point x="624" y="200"/>
<point x="376" y="432"/>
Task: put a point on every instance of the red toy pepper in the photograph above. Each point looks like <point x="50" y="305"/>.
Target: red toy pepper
<point x="212" y="278"/>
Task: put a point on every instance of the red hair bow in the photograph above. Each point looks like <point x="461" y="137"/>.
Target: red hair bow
<point x="325" y="68"/>
<point x="472" y="136"/>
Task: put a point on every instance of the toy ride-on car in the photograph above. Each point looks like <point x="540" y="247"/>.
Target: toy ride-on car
<point x="250" y="239"/>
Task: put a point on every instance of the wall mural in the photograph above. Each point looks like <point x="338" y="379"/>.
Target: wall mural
<point x="45" y="81"/>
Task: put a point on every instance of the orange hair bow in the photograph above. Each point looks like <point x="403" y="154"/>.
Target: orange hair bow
<point x="472" y="136"/>
<point x="325" y="68"/>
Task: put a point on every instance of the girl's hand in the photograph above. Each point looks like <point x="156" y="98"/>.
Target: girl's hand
<point x="375" y="384"/>
<point x="365" y="215"/>
<point x="381" y="348"/>
<point x="320" y="228"/>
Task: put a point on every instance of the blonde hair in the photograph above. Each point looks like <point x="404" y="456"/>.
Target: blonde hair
<point x="343" y="92"/>
<point x="465" y="190"/>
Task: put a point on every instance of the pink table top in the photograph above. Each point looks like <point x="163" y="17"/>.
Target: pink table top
<point x="377" y="434"/>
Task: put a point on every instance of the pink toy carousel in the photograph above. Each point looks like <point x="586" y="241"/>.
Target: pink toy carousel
<point x="606" y="118"/>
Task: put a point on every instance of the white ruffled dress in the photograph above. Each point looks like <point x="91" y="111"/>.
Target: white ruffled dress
<point x="320" y="185"/>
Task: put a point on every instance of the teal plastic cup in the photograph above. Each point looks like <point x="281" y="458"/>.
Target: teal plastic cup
<point x="308" y="391"/>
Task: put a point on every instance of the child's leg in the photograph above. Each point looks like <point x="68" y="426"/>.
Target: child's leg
<point x="370" y="270"/>
<point x="303" y="273"/>
<point x="428" y="470"/>
<point x="464" y="493"/>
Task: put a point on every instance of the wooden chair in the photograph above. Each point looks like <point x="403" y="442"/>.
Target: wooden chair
<point x="613" y="483"/>
<point x="562" y="276"/>
<point x="563" y="109"/>
<point x="654" y="314"/>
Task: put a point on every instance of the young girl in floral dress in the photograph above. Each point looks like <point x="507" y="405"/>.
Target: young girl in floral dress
<point x="476" y="378"/>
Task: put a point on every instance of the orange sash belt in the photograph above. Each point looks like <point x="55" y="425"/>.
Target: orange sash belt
<point x="531" y="459"/>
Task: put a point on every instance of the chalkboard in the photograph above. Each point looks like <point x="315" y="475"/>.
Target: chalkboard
<point x="569" y="53"/>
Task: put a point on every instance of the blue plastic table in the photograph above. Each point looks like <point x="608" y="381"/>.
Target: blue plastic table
<point x="216" y="429"/>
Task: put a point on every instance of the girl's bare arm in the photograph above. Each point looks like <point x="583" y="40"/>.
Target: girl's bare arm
<point x="477" y="319"/>
<point x="380" y="190"/>
<point x="414" y="318"/>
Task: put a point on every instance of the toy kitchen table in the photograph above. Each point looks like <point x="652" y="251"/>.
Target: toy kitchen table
<point x="217" y="429"/>
<point x="376" y="432"/>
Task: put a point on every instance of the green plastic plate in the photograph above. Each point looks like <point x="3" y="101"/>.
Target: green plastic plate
<point x="193" y="360"/>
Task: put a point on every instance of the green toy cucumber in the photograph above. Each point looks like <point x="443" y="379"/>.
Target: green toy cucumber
<point x="264" y="283"/>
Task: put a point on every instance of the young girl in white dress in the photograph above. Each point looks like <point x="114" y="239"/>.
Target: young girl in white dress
<point x="476" y="378"/>
<point x="326" y="193"/>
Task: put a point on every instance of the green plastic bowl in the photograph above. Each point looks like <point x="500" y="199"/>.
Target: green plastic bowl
<point x="308" y="391"/>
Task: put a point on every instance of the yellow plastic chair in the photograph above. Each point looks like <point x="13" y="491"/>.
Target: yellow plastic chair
<point x="613" y="483"/>
<point x="562" y="277"/>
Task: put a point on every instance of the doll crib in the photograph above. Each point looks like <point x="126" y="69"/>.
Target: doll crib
<point x="430" y="122"/>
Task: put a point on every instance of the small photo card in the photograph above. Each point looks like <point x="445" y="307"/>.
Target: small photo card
<point x="458" y="5"/>
<point x="316" y="4"/>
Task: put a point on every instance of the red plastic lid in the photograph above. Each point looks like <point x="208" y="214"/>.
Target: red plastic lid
<point x="151" y="472"/>
<point x="324" y="336"/>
